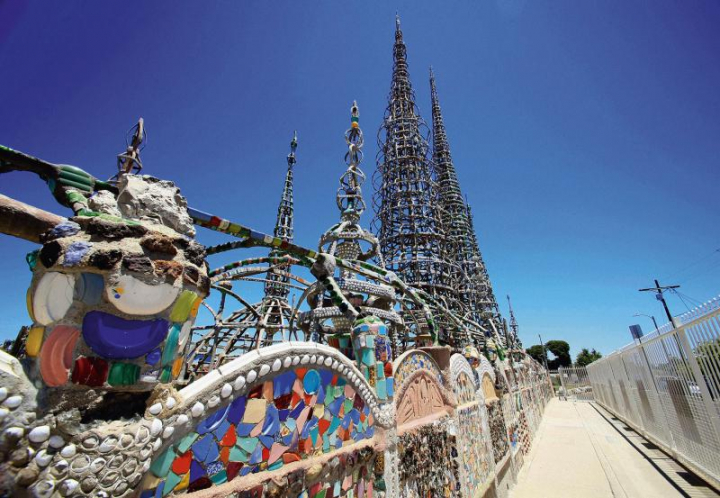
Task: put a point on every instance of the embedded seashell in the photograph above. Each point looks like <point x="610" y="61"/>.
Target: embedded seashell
<point x="60" y="467"/>
<point x="181" y="420"/>
<point x="13" y="402"/>
<point x="287" y="362"/>
<point x="44" y="488"/>
<point x="197" y="409"/>
<point x="251" y="376"/>
<point x="142" y="436"/>
<point x="239" y="383"/>
<point x="156" y="427"/>
<point x="264" y="370"/>
<point x="57" y="442"/>
<point x="97" y="465"/>
<point x="328" y="361"/>
<point x="108" y="444"/>
<point x="157" y="444"/>
<point x="277" y="365"/>
<point x="3" y="413"/>
<point x="226" y="390"/>
<point x="39" y="434"/>
<point x="305" y="360"/>
<point x="43" y="458"/>
<point x="80" y="464"/>
<point x="295" y="360"/>
<point x="68" y="486"/>
<point x="213" y="401"/>
<point x="170" y="403"/>
<point x="126" y="441"/>
<point x="3" y="393"/>
<point x="68" y="451"/>
<point x="168" y="432"/>
<point x="155" y="409"/>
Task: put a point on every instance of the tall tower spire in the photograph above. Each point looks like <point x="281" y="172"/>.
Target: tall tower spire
<point x="276" y="285"/>
<point x="407" y="216"/>
<point x="453" y="212"/>
<point x="513" y="339"/>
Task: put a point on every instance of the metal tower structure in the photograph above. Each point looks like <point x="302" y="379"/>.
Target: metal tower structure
<point x="252" y="325"/>
<point x="276" y="286"/>
<point x="408" y="220"/>
<point x="326" y="321"/>
<point x="454" y="214"/>
<point x="484" y="291"/>
<point x="513" y="338"/>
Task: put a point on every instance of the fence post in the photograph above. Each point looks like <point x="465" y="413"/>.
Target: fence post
<point x="700" y="380"/>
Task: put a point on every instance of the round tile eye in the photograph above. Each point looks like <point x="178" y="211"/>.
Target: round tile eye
<point x="134" y="297"/>
<point x="53" y="297"/>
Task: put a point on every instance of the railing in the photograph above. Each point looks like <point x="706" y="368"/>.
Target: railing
<point x="667" y="387"/>
<point x="575" y="384"/>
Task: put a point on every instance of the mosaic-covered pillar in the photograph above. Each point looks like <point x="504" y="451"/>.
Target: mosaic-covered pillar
<point x="372" y="355"/>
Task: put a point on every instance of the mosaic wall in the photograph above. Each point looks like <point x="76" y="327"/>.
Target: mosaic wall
<point x="412" y="361"/>
<point x="464" y="389"/>
<point x="300" y="413"/>
<point x="497" y="431"/>
<point x="475" y="457"/>
<point x="428" y="462"/>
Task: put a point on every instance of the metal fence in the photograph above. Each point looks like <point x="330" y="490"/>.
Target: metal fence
<point x="575" y="384"/>
<point x="667" y="387"/>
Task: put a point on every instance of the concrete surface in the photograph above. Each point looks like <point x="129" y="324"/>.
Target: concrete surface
<point x="580" y="453"/>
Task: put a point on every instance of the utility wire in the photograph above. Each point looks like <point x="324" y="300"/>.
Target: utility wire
<point x="681" y="298"/>
<point x="674" y="276"/>
<point x="702" y="272"/>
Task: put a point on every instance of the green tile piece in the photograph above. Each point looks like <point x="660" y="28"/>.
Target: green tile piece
<point x="186" y="442"/>
<point x="248" y="444"/>
<point x="238" y="455"/>
<point x="171" y="481"/>
<point x="161" y="465"/>
<point x="218" y="478"/>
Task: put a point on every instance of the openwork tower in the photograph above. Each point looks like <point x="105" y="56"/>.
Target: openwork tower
<point x="408" y="220"/>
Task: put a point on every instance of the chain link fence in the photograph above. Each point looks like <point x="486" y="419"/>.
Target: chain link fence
<point x="667" y="387"/>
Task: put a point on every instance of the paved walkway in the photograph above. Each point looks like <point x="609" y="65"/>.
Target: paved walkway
<point x="578" y="452"/>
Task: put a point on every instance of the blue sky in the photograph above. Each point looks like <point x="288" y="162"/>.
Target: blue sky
<point x="584" y="133"/>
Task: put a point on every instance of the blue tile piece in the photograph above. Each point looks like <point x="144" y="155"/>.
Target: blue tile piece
<point x="196" y="471"/>
<point x="287" y="440"/>
<point x="354" y="415"/>
<point x="245" y="471"/>
<point x="159" y="490"/>
<point x="346" y="422"/>
<point x="212" y="422"/>
<point x="283" y="414"/>
<point x="326" y="377"/>
<point x="271" y="425"/>
<point x="244" y="430"/>
<point x="149" y="493"/>
<point x="221" y="430"/>
<point x="334" y="407"/>
<point x="321" y="394"/>
<point x="202" y="446"/>
<point x="237" y="410"/>
<point x="311" y="381"/>
<point x="256" y="456"/>
<point x="215" y="467"/>
<point x="282" y="384"/>
<point x="266" y="441"/>
<point x="295" y="413"/>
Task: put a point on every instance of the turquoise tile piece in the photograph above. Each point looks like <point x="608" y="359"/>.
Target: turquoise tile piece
<point x="161" y="465"/>
<point x="248" y="444"/>
<point x="171" y="481"/>
<point x="186" y="442"/>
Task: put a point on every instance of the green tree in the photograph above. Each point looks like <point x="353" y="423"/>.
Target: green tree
<point x="537" y="353"/>
<point x="561" y="350"/>
<point x="585" y="357"/>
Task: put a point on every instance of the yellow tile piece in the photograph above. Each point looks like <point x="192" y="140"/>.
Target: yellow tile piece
<point x="34" y="341"/>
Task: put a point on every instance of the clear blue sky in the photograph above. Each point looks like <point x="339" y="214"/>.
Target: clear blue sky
<point x="585" y="134"/>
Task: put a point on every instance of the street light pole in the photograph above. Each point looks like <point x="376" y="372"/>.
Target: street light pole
<point x="659" y="293"/>
<point x="648" y="316"/>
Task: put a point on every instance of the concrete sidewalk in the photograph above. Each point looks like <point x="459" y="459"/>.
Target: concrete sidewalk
<point x="578" y="454"/>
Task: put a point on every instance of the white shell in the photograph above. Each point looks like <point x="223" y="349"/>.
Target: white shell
<point x="43" y="458"/>
<point x="3" y="393"/>
<point x="157" y="444"/>
<point x="68" y="451"/>
<point x="156" y="427"/>
<point x="13" y="402"/>
<point x="277" y="365"/>
<point x="181" y="420"/>
<point x="53" y="297"/>
<point x="295" y="360"/>
<point x="239" y="382"/>
<point x="287" y="361"/>
<point x="251" y="376"/>
<point x="39" y="434"/>
<point x="3" y="413"/>
<point x="155" y="409"/>
<point x="138" y="298"/>
<point x="56" y="442"/>
<point x="197" y="409"/>
<point x="213" y="401"/>
<point x="170" y="403"/>
<point x="264" y="369"/>
<point x="226" y="390"/>
<point x="168" y="432"/>
<point x="328" y="361"/>
<point x="68" y="486"/>
<point x="305" y="360"/>
<point x="16" y="432"/>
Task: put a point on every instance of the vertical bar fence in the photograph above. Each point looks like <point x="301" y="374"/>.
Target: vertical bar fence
<point x="667" y="387"/>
